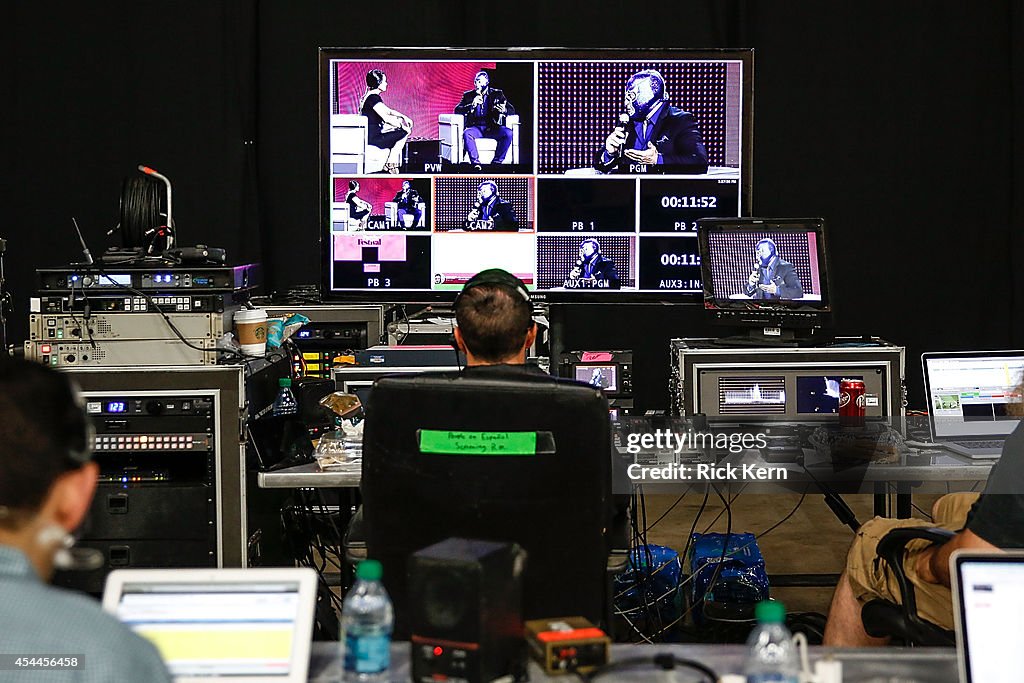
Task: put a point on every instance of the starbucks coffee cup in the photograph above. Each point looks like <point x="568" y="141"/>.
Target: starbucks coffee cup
<point x="251" y="330"/>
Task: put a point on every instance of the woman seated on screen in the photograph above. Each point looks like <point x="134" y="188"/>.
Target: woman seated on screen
<point x="358" y="208"/>
<point x="388" y="129"/>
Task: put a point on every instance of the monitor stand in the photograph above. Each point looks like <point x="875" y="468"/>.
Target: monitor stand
<point x="774" y="338"/>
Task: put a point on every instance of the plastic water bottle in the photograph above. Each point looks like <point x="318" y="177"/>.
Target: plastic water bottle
<point x="285" y="403"/>
<point x="367" y="619"/>
<point x="771" y="656"/>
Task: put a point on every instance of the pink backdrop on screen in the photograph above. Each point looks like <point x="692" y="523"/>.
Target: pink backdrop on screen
<point x="420" y="90"/>
<point x="350" y="247"/>
<point x="373" y="190"/>
<point x="812" y="246"/>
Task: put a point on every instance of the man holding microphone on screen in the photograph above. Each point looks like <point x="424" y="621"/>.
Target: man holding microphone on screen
<point x="772" y="278"/>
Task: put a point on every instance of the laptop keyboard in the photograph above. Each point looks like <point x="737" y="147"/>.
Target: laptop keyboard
<point x="980" y="444"/>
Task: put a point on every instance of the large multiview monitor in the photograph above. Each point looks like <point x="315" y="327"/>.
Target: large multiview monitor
<point x="768" y="276"/>
<point x="582" y="172"/>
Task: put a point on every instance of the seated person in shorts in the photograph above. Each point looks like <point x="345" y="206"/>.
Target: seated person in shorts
<point x="992" y="521"/>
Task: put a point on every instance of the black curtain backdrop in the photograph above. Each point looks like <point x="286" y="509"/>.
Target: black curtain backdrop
<point x="897" y="122"/>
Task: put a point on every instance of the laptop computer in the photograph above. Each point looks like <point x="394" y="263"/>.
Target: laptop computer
<point x="988" y="601"/>
<point x="243" y="625"/>
<point x="280" y="442"/>
<point x="968" y="393"/>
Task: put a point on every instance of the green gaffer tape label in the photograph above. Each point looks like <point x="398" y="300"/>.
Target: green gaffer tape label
<point x="478" y="443"/>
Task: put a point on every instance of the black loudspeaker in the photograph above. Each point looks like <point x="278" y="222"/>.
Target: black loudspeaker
<point x="421" y="153"/>
<point x="466" y="612"/>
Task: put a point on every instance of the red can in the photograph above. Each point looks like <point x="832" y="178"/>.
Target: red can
<point x="851" y="402"/>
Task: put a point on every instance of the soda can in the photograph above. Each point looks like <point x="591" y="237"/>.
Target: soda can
<point x="851" y="402"/>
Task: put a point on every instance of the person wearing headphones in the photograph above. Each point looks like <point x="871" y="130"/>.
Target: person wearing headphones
<point x="388" y="129"/>
<point x="47" y="482"/>
<point x="494" y="324"/>
<point x="494" y="328"/>
<point x="652" y="135"/>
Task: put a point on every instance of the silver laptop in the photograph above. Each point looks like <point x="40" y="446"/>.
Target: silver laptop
<point x="988" y="610"/>
<point x="242" y="625"/>
<point x="968" y="393"/>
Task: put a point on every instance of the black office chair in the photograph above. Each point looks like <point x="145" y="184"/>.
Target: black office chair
<point x="556" y="503"/>
<point x="901" y="622"/>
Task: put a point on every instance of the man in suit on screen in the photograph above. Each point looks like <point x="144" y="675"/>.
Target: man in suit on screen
<point x="485" y="109"/>
<point x="772" y="278"/>
<point x="490" y="211"/>
<point x="652" y="135"/>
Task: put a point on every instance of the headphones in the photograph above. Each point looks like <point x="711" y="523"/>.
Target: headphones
<point x="496" y="277"/>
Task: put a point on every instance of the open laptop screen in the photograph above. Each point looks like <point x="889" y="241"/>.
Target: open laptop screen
<point x="991" y="616"/>
<point x="223" y="627"/>
<point x="968" y="393"/>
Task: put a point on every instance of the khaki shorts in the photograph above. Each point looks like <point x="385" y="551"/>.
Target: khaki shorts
<point x="871" y="578"/>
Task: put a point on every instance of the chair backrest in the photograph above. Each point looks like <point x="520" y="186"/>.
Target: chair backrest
<point x="554" y="502"/>
<point x="348" y="140"/>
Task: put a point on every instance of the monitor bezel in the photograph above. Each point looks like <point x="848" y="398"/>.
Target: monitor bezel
<point x="328" y="54"/>
<point x="790" y="314"/>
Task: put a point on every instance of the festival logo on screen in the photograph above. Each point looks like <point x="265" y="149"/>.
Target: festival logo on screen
<point x="380" y="261"/>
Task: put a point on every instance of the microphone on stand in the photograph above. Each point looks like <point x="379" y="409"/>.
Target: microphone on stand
<point x="81" y="240"/>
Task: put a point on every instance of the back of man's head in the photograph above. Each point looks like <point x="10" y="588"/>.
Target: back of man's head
<point x="494" y="315"/>
<point x="43" y="433"/>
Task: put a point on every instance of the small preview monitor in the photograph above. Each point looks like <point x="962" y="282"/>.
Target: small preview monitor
<point x="601" y="376"/>
<point x="819" y="394"/>
<point x="765" y="272"/>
